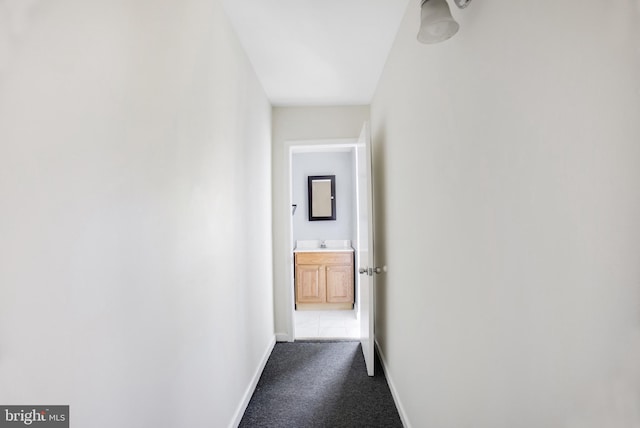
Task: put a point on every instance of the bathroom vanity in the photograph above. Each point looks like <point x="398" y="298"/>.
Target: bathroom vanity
<point x="324" y="275"/>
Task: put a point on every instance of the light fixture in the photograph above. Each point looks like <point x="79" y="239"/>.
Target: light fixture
<point x="462" y="3"/>
<point x="436" y="22"/>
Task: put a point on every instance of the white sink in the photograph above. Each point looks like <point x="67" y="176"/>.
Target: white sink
<point x="314" y="245"/>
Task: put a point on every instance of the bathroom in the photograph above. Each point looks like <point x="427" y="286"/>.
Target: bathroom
<point x="335" y="231"/>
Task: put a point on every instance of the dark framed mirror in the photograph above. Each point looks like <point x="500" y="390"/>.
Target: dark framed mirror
<point x="322" y="197"/>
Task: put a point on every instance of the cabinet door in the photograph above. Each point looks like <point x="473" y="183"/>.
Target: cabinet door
<point x="310" y="284"/>
<point x="340" y="284"/>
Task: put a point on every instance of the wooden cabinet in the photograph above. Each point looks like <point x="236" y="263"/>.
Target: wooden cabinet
<point x="339" y="284"/>
<point x="324" y="280"/>
<point x="310" y="284"/>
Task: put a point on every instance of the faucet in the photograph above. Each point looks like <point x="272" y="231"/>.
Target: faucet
<point x="323" y="244"/>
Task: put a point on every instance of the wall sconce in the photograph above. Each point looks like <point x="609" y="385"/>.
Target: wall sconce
<point x="436" y="22"/>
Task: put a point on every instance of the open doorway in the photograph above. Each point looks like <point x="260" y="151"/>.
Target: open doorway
<point x="316" y="316"/>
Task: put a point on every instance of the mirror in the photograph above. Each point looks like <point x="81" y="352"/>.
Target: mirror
<point x="322" y="197"/>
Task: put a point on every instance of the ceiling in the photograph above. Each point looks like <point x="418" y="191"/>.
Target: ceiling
<point x="322" y="52"/>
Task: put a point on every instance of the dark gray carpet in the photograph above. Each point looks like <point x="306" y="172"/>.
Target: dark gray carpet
<point x="320" y="384"/>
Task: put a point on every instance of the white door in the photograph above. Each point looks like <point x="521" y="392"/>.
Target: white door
<point x="364" y="256"/>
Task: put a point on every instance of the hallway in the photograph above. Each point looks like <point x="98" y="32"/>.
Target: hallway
<point x="320" y="384"/>
<point x="145" y="251"/>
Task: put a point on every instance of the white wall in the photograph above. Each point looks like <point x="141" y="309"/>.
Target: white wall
<point x="135" y="206"/>
<point x="339" y="164"/>
<point x="296" y="124"/>
<point x="507" y="165"/>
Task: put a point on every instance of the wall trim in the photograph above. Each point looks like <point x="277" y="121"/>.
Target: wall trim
<point x="394" y="393"/>
<point x="283" y="337"/>
<point x="286" y="244"/>
<point x="237" y="417"/>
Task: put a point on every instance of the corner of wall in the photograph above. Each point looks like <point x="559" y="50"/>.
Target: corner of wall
<point x="246" y="398"/>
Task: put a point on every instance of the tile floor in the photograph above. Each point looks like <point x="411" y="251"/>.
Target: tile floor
<point x="326" y="325"/>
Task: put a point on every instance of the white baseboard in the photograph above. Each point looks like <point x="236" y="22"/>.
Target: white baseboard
<point x="283" y="337"/>
<point x="237" y="417"/>
<point x="392" y="388"/>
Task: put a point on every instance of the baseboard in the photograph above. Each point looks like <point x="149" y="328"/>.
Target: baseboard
<point x="392" y="388"/>
<point x="237" y="417"/>
<point x="283" y="337"/>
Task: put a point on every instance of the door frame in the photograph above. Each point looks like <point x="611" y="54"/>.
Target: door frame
<point x="302" y="146"/>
